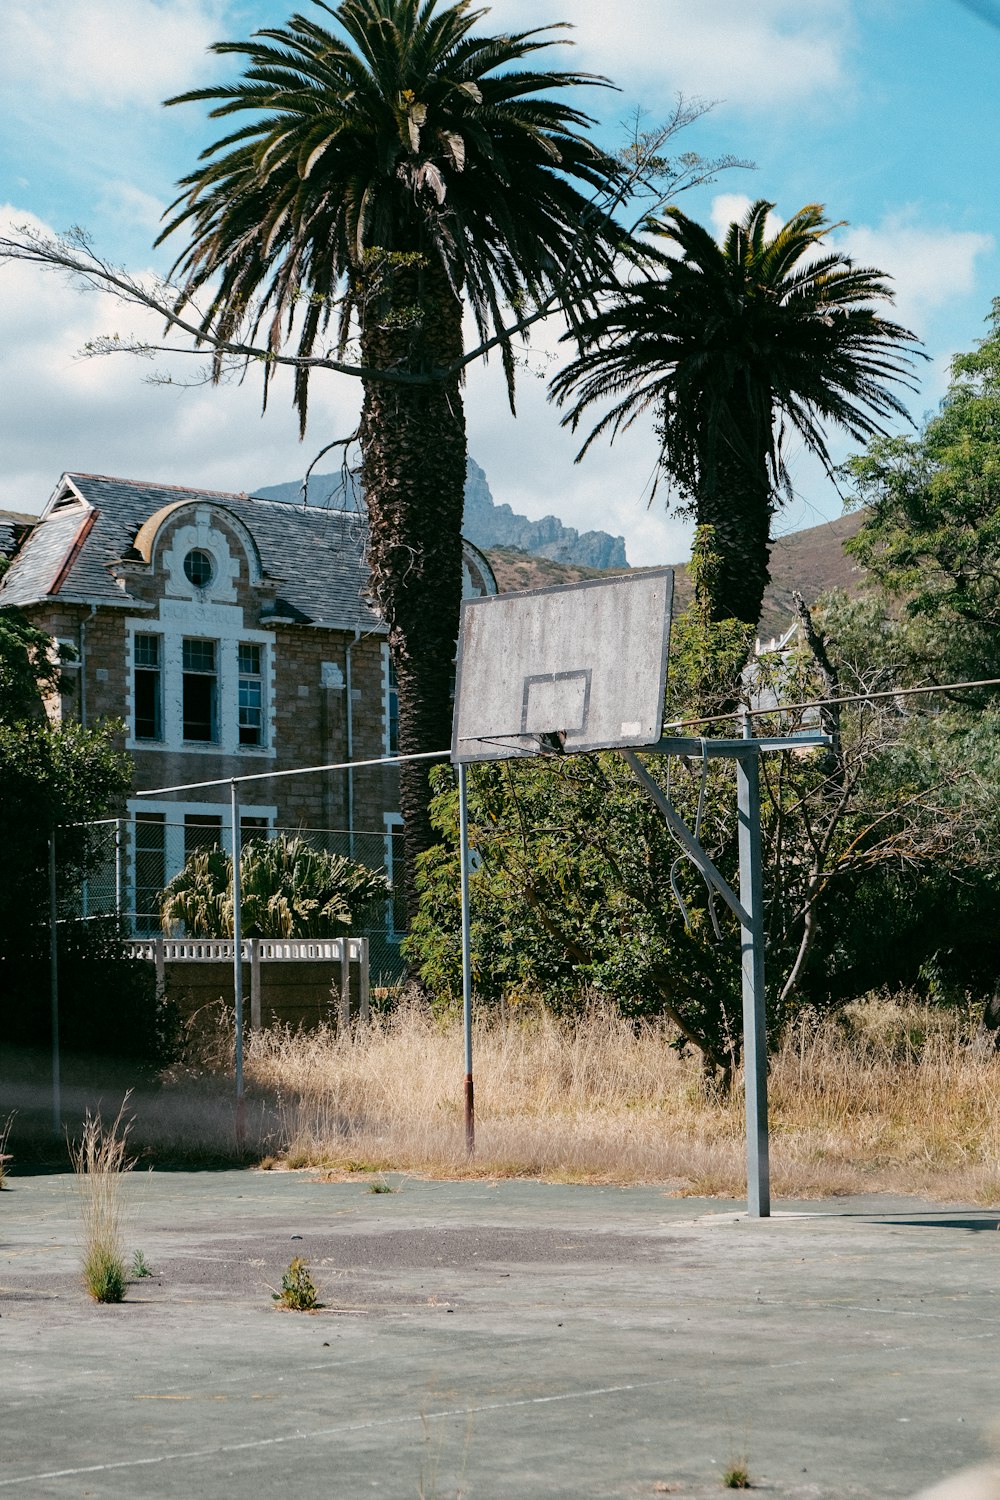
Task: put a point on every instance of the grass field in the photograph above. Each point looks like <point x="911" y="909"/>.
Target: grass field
<point x="883" y="1098"/>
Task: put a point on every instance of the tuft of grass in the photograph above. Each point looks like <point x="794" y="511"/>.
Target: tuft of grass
<point x="104" y="1274"/>
<point x="298" y="1292"/>
<point x="100" y="1160"/>
<point x="737" y="1476"/>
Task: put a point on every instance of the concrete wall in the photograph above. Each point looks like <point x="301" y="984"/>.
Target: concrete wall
<point x="296" y="994"/>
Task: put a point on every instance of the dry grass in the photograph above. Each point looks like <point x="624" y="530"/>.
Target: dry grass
<point x="100" y="1159"/>
<point x="884" y="1099"/>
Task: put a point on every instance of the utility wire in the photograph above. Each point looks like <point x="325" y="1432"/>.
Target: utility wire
<point x="782" y="708"/>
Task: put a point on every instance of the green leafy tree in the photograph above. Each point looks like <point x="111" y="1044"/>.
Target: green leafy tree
<point x="383" y="176"/>
<point x="60" y="778"/>
<point x="28" y="668"/>
<point x="288" y="889"/>
<point x="931" y="535"/>
<point x="735" y="347"/>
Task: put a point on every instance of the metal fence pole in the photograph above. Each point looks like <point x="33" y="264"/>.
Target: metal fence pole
<point x="255" y="1020"/>
<point x="344" y="1003"/>
<point x="54" y="989"/>
<point x="119" y="873"/>
<point x="754" y="1014"/>
<point x="237" y="938"/>
<point x="364" y="994"/>
<point x="463" y="844"/>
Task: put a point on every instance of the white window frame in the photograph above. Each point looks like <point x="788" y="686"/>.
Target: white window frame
<point x="392" y="823"/>
<point x="223" y="624"/>
<point x="387" y="691"/>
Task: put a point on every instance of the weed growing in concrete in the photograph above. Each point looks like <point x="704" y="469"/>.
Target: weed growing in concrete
<point x="100" y="1160"/>
<point x="737" y="1476"/>
<point x="140" y="1266"/>
<point x="381" y="1186"/>
<point x="298" y="1292"/>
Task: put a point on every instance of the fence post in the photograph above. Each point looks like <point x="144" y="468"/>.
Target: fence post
<point x="237" y="939"/>
<point x="161" y="968"/>
<point x="54" y="988"/>
<point x="364" y="1001"/>
<point x="463" y="844"/>
<point x="255" y="1021"/>
<point x="344" y="1008"/>
<point x="119" y="881"/>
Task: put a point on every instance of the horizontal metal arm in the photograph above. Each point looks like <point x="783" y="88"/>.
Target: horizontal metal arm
<point x="735" y="749"/>
<point x="684" y="836"/>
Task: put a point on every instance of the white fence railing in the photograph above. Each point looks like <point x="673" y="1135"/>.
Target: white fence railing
<point x="340" y="951"/>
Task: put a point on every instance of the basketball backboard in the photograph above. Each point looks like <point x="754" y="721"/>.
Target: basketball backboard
<point x="570" y="669"/>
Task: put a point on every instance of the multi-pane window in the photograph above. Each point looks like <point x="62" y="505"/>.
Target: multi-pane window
<point x="148" y="688"/>
<point x="251" y="694"/>
<point x="200" y="691"/>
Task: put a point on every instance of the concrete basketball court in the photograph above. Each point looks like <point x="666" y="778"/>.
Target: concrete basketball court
<point x="495" y="1340"/>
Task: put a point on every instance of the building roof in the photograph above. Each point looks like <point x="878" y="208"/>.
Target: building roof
<point x="315" y="557"/>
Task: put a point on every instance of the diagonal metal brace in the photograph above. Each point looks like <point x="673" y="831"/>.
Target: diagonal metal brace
<point x="685" y="837"/>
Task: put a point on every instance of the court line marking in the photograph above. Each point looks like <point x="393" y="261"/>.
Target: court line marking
<point x="323" y="1432"/>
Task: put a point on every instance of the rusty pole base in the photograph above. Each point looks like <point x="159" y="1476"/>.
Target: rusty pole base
<point x="470" y="1117"/>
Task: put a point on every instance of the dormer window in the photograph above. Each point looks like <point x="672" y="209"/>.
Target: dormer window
<point x="199" y="568"/>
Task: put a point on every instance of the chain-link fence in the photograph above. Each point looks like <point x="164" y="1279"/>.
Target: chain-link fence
<point x="132" y="860"/>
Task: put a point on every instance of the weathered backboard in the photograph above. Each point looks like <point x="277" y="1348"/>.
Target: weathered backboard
<point x="563" y="670"/>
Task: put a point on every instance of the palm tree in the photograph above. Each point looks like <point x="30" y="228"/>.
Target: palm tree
<point x="385" y="177"/>
<point x="735" y="347"/>
<point x="288" y="889"/>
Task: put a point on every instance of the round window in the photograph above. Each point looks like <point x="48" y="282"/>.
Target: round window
<point x="198" y="568"/>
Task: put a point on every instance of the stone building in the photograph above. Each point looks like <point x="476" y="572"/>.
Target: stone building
<point x="233" y="636"/>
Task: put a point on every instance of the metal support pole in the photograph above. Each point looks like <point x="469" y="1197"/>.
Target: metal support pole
<point x="752" y="950"/>
<point x="364" y="993"/>
<point x="54" y="989"/>
<point x="344" y="1005"/>
<point x="237" y="938"/>
<point x="463" y="845"/>
<point x="119" y="872"/>
<point x="255" y="1020"/>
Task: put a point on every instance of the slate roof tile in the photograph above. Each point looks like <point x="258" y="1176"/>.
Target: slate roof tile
<point x="317" y="556"/>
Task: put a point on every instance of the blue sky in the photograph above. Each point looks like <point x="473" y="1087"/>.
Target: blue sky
<point x="887" y="111"/>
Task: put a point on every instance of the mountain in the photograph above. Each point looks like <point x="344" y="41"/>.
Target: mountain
<point x="491" y="525"/>
<point x="485" y="523"/>
<point x="811" y="561"/>
<point x="539" y="554"/>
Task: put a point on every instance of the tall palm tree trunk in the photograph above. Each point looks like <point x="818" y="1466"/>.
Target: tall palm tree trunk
<point x="413" y="468"/>
<point x="739" y="512"/>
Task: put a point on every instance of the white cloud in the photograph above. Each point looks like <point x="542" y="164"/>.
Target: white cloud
<point x="771" y="53"/>
<point x="930" y="267"/>
<point x="726" y="207"/>
<point x="100" y="415"/>
<point x="131" y="207"/>
<point x="62" y="412"/>
<point x="106" y="53"/>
